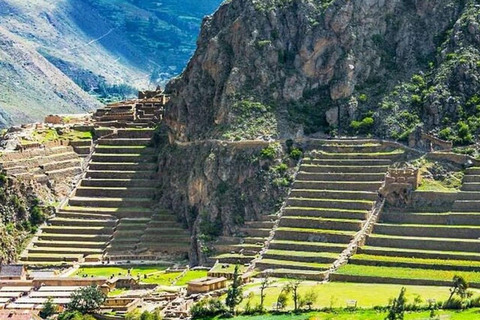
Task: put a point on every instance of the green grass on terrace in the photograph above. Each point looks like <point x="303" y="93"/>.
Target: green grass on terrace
<point x="466" y="254"/>
<point x="435" y="262"/>
<point x="368" y="154"/>
<point x="227" y="268"/>
<point x="338" y="232"/>
<point x="407" y="273"/>
<point x="287" y="263"/>
<point x="99" y="271"/>
<point x="303" y="253"/>
<point x="362" y="212"/>
<point x="154" y="274"/>
<point x="433" y="185"/>
<point x="471" y="314"/>
<point x="448" y="226"/>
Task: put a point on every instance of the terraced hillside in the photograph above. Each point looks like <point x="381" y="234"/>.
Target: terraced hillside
<point x="331" y="198"/>
<point x="332" y="195"/>
<point x="243" y="249"/>
<point x="424" y="247"/>
<point x="112" y="207"/>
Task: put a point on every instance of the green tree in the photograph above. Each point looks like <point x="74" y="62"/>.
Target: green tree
<point x="263" y="286"/>
<point x="86" y="300"/>
<point x="297" y="299"/>
<point x="397" y="308"/>
<point x="310" y="298"/>
<point x="282" y="299"/>
<point x="459" y="287"/>
<point x="234" y="293"/>
<point x="48" y="310"/>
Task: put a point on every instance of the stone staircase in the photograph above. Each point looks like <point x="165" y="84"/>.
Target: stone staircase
<point x="111" y="208"/>
<point x="402" y="242"/>
<point x="334" y="191"/>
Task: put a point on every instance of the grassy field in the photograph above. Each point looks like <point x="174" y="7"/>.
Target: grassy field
<point x="407" y="273"/>
<point x="119" y="271"/>
<point x="472" y="314"/>
<point x="336" y="294"/>
<point x="148" y="274"/>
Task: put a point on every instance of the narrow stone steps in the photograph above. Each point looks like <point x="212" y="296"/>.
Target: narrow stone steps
<point x="307" y="246"/>
<point x="419" y="253"/>
<point x="112" y="174"/>
<point x="255" y="232"/>
<point x="424" y="243"/>
<point x="125" y="149"/>
<point x="118" y="183"/>
<point x="471" y="186"/>
<point x="440" y="218"/>
<point x="359" y="148"/>
<point x="127" y="166"/>
<point x="301" y="256"/>
<point x="321" y="223"/>
<point x="122" y="158"/>
<point x="325" y="213"/>
<point x="52" y="257"/>
<point x="135" y="133"/>
<point x="433" y="231"/>
<point x="295" y="265"/>
<point x="314" y="235"/>
<point x="330" y="203"/>
<point x="347" y="162"/>
<point x="338" y="185"/>
<point x="353" y="177"/>
<point x="111" y="202"/>
<point x="359" y="155"/>
<point x="115" y="192"/>
<point x="334" y="194"/>
<point x="74" y="237"/>
<point x="466" y="205"/>
<point x="234" y="258"/>
<point x="58" y="250"/>
<point x="83" y="230"/>
<point x="297" y="274"/>
<point x="117" y="212"/>
<point x="124" y="142"/>
<point x="61" y="173"/>
<point x="58" y="165"/>
<point x="419" y="263"/>
<point x="470" y="178"/>
<point x="70" y="244"/>
<point x="318" y="168"/>
<point x="469" y="195"/>
<point x="59" y="221"/>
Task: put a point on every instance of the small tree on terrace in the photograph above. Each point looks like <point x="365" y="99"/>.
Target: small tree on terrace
<point x="459" y="287"/>
<point x="294" y="289"/>
<point x="397" y="308"/>
<point x="48" y="310"/>
<point x="234" y="294"/>
<point x="263" y="286"/>
<point x="86" y="300"/>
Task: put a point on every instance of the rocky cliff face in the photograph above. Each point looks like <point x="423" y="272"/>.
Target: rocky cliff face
<point x="318" y="65"/>
<point x="22" y="208"/>
<point x="214" y="187"/>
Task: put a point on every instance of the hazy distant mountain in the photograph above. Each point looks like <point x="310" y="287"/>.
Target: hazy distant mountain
<point x="45" y="44"/>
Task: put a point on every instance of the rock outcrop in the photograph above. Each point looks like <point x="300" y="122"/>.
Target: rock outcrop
<point x="301" y="58"/>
